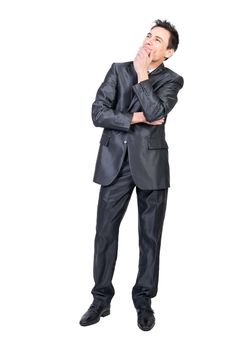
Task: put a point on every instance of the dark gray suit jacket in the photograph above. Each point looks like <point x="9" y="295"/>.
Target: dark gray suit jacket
<point x="117" y="98"/>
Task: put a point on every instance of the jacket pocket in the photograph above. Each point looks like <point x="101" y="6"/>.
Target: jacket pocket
<point x="105" y="140"/>
<point x="157" y="144"/>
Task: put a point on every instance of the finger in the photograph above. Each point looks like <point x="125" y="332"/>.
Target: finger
<point x="143" y="51"/>
<point x="157" y="122"/>
<point x="151" y="55"/>
<point x="142" y="54"/>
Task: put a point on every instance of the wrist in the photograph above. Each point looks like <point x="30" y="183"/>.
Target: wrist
<point x="138" y="117"/>
<point x="142" y="75"/>
<point x="141" y="117"/>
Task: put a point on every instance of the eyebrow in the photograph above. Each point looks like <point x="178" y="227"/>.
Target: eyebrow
<point x="156" y="36"/>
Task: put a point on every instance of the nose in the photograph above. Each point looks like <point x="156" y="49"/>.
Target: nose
<point x="148" y="42"/>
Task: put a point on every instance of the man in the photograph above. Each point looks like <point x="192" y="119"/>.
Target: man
<point x="132" y="106"/>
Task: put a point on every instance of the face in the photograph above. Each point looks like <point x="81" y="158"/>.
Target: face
<point x="156" y="41"/>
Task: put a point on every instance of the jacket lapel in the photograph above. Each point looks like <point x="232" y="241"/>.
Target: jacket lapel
<point x="157" y="70"/>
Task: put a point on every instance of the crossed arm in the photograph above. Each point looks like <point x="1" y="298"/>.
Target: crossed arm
<point x="154" y="106"/>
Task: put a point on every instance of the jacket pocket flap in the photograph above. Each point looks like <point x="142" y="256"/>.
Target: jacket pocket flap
<point x="157" y="143"/>
<point x="105" y="139"/>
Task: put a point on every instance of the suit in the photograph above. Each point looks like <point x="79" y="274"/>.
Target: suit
<point x="129" y="156"/>
<point x="117" y="98"/>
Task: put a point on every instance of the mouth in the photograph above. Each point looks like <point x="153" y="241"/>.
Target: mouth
<point x="148" y="49"/>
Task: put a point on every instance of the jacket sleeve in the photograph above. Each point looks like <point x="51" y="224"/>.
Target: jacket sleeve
<point x="155" y="105"/>
<point x="103" y="108"/>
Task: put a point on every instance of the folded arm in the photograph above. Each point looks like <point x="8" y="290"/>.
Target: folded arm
<point x="103" y="113"/>
<point x="157" y="104"/>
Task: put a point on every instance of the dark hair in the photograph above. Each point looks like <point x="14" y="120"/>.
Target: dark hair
<point x="174" y="37"/>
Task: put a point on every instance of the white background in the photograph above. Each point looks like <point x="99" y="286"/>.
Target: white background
<point x="54" y="55"/>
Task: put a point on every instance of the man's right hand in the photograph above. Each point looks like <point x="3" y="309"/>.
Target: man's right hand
<point x="138" y="117"/>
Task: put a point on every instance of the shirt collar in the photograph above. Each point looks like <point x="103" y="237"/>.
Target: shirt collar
<point x="156" y="69"/>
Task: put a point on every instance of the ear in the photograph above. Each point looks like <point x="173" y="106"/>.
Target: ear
<point x="169" y="53"/>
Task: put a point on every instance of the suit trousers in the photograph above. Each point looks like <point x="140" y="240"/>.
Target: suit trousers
<point x="112" y="204"/>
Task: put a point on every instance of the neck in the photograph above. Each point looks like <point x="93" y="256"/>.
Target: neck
<point x="154" y="65"/>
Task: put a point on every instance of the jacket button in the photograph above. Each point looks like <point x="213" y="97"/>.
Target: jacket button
<point x="125" y="141"/>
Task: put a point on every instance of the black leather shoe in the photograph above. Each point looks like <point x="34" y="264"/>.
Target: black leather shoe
<point x="94" y="313"/>
<point x="145" y="319"/>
